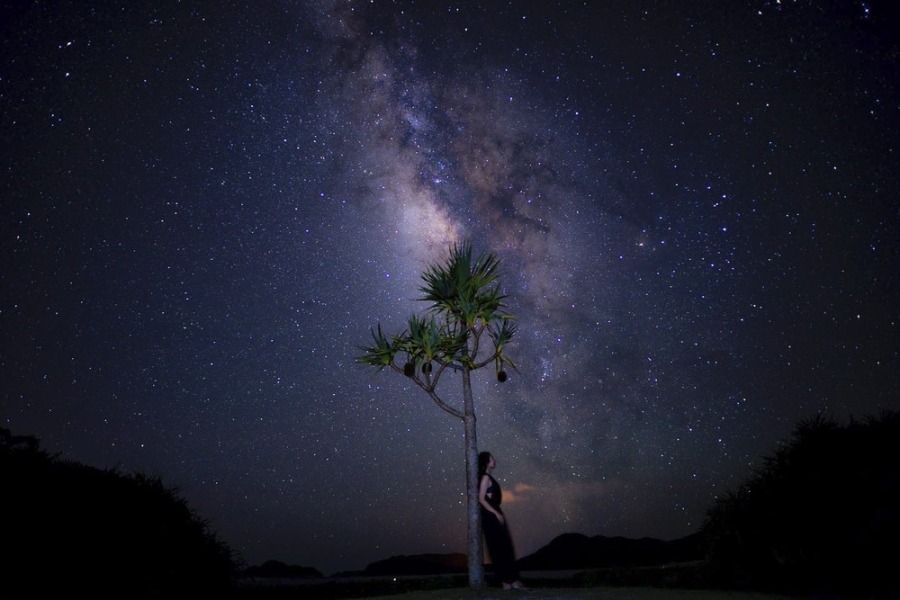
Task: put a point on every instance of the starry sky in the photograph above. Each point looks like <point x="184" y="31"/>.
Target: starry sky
<point x="207" y="205"/>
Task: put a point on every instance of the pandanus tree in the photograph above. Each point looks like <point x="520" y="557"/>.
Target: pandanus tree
<point x="465" y="303"/>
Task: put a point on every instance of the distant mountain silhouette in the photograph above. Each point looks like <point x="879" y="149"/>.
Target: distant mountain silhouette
<point x="418" y="564"/>
<point x="578" y="551"/>
<point x="276" y="569"/>
<point x="566" y="552"/>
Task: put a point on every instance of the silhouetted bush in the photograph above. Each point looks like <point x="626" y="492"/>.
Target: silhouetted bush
<point x="67" y="526"/>
<point x="821" y="516"/>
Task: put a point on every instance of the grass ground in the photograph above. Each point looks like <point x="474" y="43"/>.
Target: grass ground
<point x="544" y="586"/>
<point x="603" y="593"/>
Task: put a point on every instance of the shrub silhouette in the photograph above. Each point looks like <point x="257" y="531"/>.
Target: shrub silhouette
<point x="67" y="526"/>
<point x="821" y="516"/>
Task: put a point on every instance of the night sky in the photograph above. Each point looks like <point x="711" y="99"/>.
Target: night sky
<point x="207" y="205"/>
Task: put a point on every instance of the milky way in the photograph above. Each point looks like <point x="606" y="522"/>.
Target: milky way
<point x="209" y="205"/>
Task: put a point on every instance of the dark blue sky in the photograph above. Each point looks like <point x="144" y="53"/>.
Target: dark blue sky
<point x="208" y="204"/>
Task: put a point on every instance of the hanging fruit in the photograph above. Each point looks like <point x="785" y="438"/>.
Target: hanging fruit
<point x="409" y="369"/>
<point x="501" y="376"/>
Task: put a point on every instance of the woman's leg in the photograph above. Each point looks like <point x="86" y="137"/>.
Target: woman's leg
<point x="505" y="559"/>
<point x="496" y="538"/>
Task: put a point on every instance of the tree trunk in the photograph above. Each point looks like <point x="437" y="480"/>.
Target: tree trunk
<point x="475" y="548"/>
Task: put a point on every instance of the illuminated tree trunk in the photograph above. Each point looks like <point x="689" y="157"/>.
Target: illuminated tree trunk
<point x="474" y="548"/>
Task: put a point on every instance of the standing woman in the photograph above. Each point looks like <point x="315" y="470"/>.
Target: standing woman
<point x="493" y="524"/>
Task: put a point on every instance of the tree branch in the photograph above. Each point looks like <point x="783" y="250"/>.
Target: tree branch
<point x="429" y="389"/>
<point x="444" y="406"/>
<point x="488" y="360"/>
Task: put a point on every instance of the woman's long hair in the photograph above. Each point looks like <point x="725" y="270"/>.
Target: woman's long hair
<point x="483" y="459"/>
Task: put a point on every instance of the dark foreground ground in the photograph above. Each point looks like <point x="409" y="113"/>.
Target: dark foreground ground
<point x="544" y="586"/>
<point x="559" y="593"/>
<point x="605" y="593"/>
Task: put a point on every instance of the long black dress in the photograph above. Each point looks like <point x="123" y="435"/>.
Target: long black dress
<point x="496" y="535"/>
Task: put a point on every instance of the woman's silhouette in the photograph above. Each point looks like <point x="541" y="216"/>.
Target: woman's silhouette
<point x="493" y="524"/>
